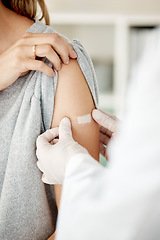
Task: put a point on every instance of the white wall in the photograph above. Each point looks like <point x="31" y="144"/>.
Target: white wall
<point x="108" y="6"/>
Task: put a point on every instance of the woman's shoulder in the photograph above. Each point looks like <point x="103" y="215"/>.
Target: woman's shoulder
<point x="83" y="58"/>
<point x="39" y="27"/>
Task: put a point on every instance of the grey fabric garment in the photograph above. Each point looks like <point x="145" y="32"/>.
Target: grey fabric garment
<point x="27" y="206"/>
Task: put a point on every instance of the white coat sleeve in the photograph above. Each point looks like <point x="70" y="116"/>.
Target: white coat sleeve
<point x="123" y="201"/>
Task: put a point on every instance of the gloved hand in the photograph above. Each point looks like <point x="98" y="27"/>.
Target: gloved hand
<point x="54" y="154"/>
<point x="108" y="128"/>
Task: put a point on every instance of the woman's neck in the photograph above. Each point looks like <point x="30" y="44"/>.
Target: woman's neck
<point x="12" y="27"/>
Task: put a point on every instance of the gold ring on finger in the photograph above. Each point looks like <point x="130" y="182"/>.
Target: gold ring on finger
<point x="34" y="50"/>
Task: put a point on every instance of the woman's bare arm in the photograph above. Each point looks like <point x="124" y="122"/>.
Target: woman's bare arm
<point x="73" y="98"/>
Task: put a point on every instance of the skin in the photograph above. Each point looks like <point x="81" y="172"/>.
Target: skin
<point x="73" y="97"/>
<point x="15" y="27"/>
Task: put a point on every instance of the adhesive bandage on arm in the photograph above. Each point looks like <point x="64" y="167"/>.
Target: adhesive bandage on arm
<point x="81" y="120"/>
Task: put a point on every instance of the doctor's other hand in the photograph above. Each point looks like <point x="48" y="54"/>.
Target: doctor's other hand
<point x="108" y="128"/>
<point x="54" y="154"/>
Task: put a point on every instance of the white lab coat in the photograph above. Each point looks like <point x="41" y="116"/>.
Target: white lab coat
<point x="121" y="202"/>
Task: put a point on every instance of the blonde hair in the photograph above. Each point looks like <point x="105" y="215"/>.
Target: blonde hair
<point x="28" y="8"/>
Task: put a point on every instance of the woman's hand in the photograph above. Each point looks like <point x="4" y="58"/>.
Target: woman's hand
<point x="19" y="59"/>
<point x="108" y="128"/>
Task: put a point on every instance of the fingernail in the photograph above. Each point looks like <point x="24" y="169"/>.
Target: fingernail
<point x="94" y="111"/>
<point x="67" y="61"/>
<point x="74" y="54"/>
<point x="59" y="68"/>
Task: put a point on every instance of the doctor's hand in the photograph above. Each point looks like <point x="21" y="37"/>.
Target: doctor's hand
<point x="54" y="154"/>
<point x="108" y="128"/>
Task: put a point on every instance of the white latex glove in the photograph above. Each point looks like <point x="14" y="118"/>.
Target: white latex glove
<point x="53" y="154"/>
<point x="108" y="128"/>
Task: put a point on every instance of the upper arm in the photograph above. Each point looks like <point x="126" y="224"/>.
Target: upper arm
<point x="72" y="99"/>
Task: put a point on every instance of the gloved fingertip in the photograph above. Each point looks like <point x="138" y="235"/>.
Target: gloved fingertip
<point x="65" y="121"/>
<point x="37" y="163"/>
<point x="54" y="131"/>
<point x="39" y="166"/>
<point x="96" y="114"/>
<point x="45" y="180"/>
<point x="53" y="182"/>
<point x="65" y="129"/>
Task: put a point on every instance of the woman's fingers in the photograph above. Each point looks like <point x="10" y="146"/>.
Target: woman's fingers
<point x="64" y="50"/>
<point x="30" y="64"/>
<point x="49" y="45"/>
<point x="48" y="52"/>
<point x="72" y="54"/>
<point x="42" y="51"/>
<point x="61" y="46"/>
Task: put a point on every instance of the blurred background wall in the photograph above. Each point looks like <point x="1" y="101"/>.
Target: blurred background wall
<point x="106" y="6"/>
<point x="114" y="33"/>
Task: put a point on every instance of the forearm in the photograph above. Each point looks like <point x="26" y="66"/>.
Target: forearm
<point x="57" y="192"/>
<point x="52" y="237"/>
